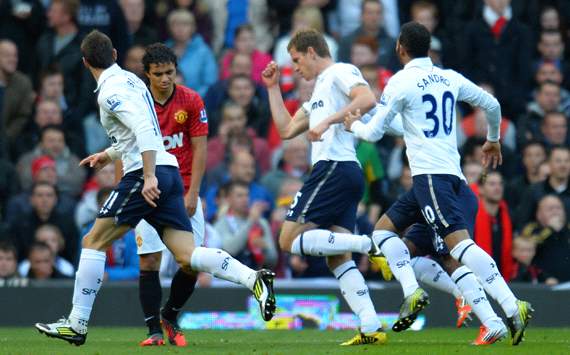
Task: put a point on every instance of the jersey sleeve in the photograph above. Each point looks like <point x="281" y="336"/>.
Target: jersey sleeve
<point x="347" y="77"/>
<point x="198" y="122"/>
<point x="131" y="110"/>
<point x="474" y="95"/>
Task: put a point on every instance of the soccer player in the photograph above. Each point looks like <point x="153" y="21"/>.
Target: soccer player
<point x="330" y="196"/>
<point x="425" y="96"/>
<point x="184" y="126"/>
<point x="151" y="188"/>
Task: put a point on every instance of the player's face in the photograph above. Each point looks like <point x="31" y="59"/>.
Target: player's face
<point x="161" y="76"/>
<point x="302" y="64"/>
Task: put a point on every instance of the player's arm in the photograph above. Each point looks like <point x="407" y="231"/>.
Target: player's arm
<point x="474" y="95"/>
<point x="199" y="145"/>
<point x="287" y="126"/>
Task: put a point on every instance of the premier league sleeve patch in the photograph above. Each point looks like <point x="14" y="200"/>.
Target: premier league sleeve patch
<point x="113" y="102"/>
<point x="203" y="116"/>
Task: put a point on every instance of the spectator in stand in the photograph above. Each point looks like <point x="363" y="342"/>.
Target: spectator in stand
<point x="551" y="233"/>
<point x="493" y="230"/>
<point x="549" y="72"/>
<point x="245" y="234"/>
<point x="16" y="95"/>
<point x="241" y="168"/>
<point x="43" y="170"/>
<point x="42" y="263"/>
<point x="554" y="129"/>
<point x="294" y="163"/>
<point x="199" y="8"/>
<point x="8" y="260"/>
<point x="401" y="185"/>
<point x="370" y="74"/>
<point x="196" y="61"/>
<point x="475" y="124"/>
<point x="71" y="176"/>
<point x="88" y="207"/>
<point x="9" y="185"/>
<point x="426" y="13"/>
<point x="43" y="201"/>
<point x="52" y="237"/>
<point x="524" y="250"/>
<point x="558" y="183"/>
<point x="533" y="155"/>
<point x="546" y="99"/>
<point x="60" y="47"/>
<point x="122" y="261"/>
<point x="372" y="25"/>
<point x="364" y="52"/>
<point x="139" y="32"/>
<point x="51" y="88"/>
<point x="22" y="22"/>
<point x="107" y="17"/>
<point x="133" y="61"/>
<point x="233" y="123"/>
<point x="497" y="49"/>
<point x="551" y="49"/>
<point x="244" y="43"/>
<point x="229" y="15"/>
<point x="472" y="171"/>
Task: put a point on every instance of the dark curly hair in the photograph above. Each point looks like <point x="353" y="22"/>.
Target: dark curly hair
<point x="158" y="53"/>
<point x="415" y="38"/>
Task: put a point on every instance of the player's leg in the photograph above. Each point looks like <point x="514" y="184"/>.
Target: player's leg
<point x="88" y="279"/>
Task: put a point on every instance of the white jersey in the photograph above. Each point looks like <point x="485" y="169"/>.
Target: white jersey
<point x="425" y="96"/>
<point x="330" y="95"/>
<point x="128" y="116"/>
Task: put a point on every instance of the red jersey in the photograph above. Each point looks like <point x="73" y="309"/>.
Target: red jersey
<point x="182" y="117"/>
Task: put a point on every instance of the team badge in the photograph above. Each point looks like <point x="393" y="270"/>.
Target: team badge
<point x="181" y="116"/>
<point x="139" y="241"/>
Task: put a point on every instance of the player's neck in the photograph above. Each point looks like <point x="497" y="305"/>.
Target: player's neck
<point x="96" y="73"/>
<point x="161" y="96"/>
<point x="322" y="64"/>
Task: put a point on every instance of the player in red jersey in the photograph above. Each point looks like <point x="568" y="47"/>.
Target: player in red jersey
<point x="184" y="127"/>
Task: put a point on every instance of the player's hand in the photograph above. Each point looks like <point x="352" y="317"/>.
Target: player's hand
<point x="315" y="133"/>
<point x="191" y="202"/>
<point x="350" y="118"/>
<point x="492" y="156"/>
<point x="96" y="161"/>
<point x="270" y="75"/>
<point x="150" y="190"/>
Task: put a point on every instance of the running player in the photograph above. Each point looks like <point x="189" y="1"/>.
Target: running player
<point x="330" y="196"/>
<point x="151" y="188"/>
<point x="184" y="126"/>
<point x="425" y="96"/>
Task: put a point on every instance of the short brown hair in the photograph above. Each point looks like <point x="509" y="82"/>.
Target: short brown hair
<point x="97" y="49"/>
<point x="304" y="39"/>
<point x="368" y="41"/>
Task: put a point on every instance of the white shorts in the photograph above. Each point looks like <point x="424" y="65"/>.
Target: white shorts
<point x="148" y="240"/>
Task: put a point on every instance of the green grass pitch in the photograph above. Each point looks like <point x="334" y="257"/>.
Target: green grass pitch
<point x="105" y="341"/>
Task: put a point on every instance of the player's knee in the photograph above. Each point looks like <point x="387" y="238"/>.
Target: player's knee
<point x="285" y="242"/>
<point x="183" y="259"/>
<point x="150" y="262"/>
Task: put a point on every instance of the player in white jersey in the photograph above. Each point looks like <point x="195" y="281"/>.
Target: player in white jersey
<point x="329" y="198"/>
<point x="425" y="96"/>
<point x="151" y="188"/>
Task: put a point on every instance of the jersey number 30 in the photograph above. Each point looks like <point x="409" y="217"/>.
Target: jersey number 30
<point x="447" y="103"/>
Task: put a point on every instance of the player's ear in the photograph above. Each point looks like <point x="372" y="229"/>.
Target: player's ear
<point x="114" y="54"/>
<point x="85" y="63"/>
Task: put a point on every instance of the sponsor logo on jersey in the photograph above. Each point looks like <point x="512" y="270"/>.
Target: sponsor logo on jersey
<point x="203" y="116"/>
<point x="181" y="116"/>
<point x="173" y="141"/>
<point x="112" y="102"/>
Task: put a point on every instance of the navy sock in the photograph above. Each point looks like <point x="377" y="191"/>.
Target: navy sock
<point x="150" y="295"/>
<point x="181" y="289"/>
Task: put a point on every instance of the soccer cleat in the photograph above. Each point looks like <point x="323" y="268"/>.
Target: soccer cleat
<point x="377" y="259"/>
<point x="411" y="306"/>
<point x="519" y="321"/>
<point x="62" y="330"/>
<point x="378" y="337"/>
<point x="173" y="332"/>
<point x="463" y="312"/>
<point x="263" y="292"/>
<point x="153" y="340"/>
<point x="489" y="336"/>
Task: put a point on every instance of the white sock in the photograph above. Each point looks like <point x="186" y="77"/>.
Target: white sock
<point x="430" y="272"/>
<point x="222" y="265"/>
<point x="474" y="295"/>
<point x="322" y="242"/>
<point x="88" y="279"/>
<point x="356" y="294"/>
<point x="398" y="257"/>
<point x="485" y="268"/>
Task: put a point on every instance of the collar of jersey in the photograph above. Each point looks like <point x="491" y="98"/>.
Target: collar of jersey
<point x="112" y="70"/>
<point x="423" y="62"/>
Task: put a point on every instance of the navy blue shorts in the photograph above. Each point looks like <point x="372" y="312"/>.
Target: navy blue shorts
<point x="443" y="202"/>
<point x="426" y="241"/>
<point x="330" y="196"/>
<point x="127" y="205"/>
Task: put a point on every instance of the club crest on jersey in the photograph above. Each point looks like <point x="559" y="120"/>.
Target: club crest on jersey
<point x="181" y="116"/>
<point x="203" y="116"/>
<point x="113" y="101"/>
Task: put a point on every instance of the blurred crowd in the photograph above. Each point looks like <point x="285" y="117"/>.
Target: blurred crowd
<point x="515" y="49"/>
